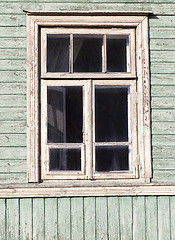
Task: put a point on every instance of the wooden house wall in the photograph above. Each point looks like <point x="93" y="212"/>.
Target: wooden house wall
<point x="90" y="218"/>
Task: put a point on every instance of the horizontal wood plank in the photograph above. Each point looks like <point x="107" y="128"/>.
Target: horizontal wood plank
<point x="13" y="166"/>
<point x="161" y="32"/>
<point x="163" y="164"/>
<point x="163" y="152"/>
<point x="163" y="128"/>
<point x="12" y="76"/>
<point x="163" y="103"/>
<point x="13" y="101"/>
<point x="163" y="9"/>
<point x="163" y="91"/>
<point x="12" y="88"/>
<point x="13" y="153"/>
<point x="12" y="178"/>
<point x="13" y="140"/>
<point x="163" y="115"/>
<point x="16" y="43"/>
<point x="12" y="54"/>
<point x="163" y="140"/>
<point x="10" y="114"/>
<point x="13" y="127"/>
<point x="162" y="79"/>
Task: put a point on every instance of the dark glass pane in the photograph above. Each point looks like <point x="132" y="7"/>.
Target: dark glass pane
<point x="111" y="114"/>
<point x="65" y="159"/>
<point x="65" y="114"/>
<point x="87" y="53"/>
<point x="58" y="53"/>
<point x="116" y="55"/>
<point x="112" y="158"/>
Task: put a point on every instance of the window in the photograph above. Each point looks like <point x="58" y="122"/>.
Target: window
<point x="88" y="99"/>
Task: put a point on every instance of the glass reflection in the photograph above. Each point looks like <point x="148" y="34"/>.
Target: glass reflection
<point x="65" y="159"/>
<point x="64" y="114"/>
<point x="111" y="114"/>
<point x="112" y="158"/>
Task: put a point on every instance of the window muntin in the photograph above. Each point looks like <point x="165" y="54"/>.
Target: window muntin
<point x="88" y="158"/>
<point x="77" y="51"/>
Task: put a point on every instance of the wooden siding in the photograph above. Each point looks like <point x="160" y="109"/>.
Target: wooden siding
<point x="13" y="79"/>
<point x="107" y="218"/>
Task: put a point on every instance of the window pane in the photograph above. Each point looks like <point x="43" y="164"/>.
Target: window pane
<point x="111" y="114"/>
<point x="65" y="114"/>
<point x="65" y="159"/>
<point x="116" y="54"/>
<point x="58" y="53"/>
<point x="87" y="53"/>
<point x="112" y="158"/>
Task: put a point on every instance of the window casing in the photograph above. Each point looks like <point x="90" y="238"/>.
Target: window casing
<point x="130" y="83"/>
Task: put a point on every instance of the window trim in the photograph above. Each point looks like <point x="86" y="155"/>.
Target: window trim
<point x="140" y="22"/>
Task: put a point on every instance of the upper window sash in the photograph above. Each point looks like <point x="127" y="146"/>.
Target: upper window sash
<point x="72" y="33"/>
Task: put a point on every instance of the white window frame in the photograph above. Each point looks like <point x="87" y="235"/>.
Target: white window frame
<point x="138" y="77"/>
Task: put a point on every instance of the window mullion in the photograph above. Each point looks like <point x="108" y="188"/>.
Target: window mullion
<point x="71" y="58"/>
<point x="104" y="55"/>
<point x="88" y="128"/>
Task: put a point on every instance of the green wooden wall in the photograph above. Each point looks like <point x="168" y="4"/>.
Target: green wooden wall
<point x="13" y="79"/>
<point x="114" y="218"/>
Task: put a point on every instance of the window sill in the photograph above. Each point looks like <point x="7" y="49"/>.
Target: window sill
<point x="45" y="190"/>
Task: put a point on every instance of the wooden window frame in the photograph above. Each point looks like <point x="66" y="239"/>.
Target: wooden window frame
<point x="35" y="22"/>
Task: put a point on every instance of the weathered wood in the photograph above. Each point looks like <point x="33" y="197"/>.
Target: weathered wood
<point x="77" y="218"/>
<point x="161" y="21"/>
<point x="162" y="56"/>
<point x="162" y="32"/>
<point x="11" y="140"/>
<point x="126" y="221"/>
<point x="101" y="218"/>
<point x="13" y="166"/>
<point x="25" y="218"/>
<point x="163" y="152"/>
<point x="158" y="91"/>
<point x="12" y="20"/>
<point x="172" y="217"/>
<point x="16" y="43"/>
<point x="162" y="44"/>
<point x="163" y="115"/>
<point x="64" y="219"/>
<point x="113" y="218"/>
<point x="13" y="127"/>
<point x="12" y="218"/>
<point x="160" y="67"/>
<point x="2" y="219"/>
<point x="139" y="231"/>
<point x="8" y="178"/>
<point x="167" y="176"/>
<point x="13" y="153"/>
<point x="162" y="79"/>
<point x="163" y="102"/>
<point x="163" y="218"/>
<point x="7" y="32"/>
<point x="163" y="128"/>
<point x="89" y="218"/>
<point x="151" y="225"/>
<point x="10" y="114"/>
<point x="168" y="164"/>
<point x="12" y="77"/>
<point x="163" y="140"/>
<point x="12" y="54"/>
<point x="11" y="65"/>
<point x="163" y="8"/>
<point x="38" y="219"/>
<point x="12" y="88"/>
<point x="13" y="101"/>
<point x="51" y="210"/>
